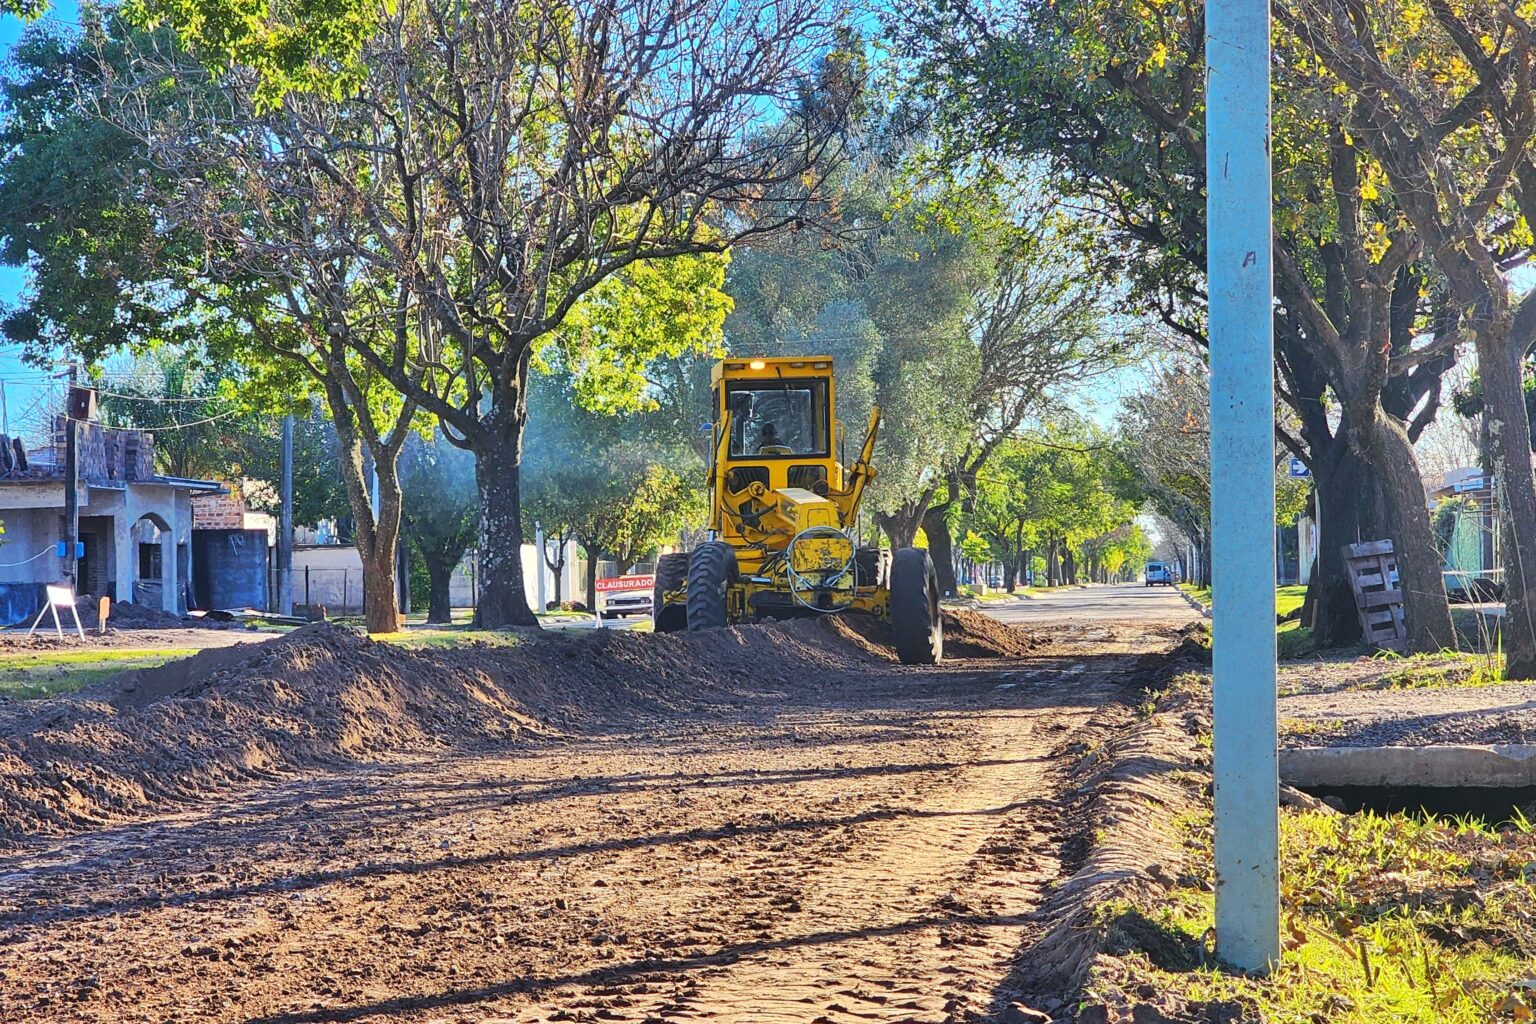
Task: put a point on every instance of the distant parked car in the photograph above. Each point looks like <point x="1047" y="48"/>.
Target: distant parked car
<point x="1159" y="574"/>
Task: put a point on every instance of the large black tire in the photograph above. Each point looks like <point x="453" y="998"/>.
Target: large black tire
<point x="872" y="566"/>
<point x="711" y="571"/>
<point x="914" y="606"/>
<point x="671" y="571"/>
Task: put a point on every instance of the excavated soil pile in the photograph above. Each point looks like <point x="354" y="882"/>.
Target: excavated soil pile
<point x="152" y="738"/>
<point x="967" y="634"/>
<point x="127" y="615"/>
<point x="974" y="635"/>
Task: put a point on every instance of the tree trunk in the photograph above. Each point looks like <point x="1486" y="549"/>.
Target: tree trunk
<point x="376" y="536"/>
<point x="941" y="548"/>
<point x="381" y="590"/>
<point x="380" y="612"/>
<point x="439" y="592"/>
<point x="899" y="527"/>
<point x="591" y="577"/>
<point x="1509" y="436"/>
<point x="556" y="569"/>
<point x="1426" y="610"/>
<point x="498" y="462"/>
<point x="1347" y="496"/>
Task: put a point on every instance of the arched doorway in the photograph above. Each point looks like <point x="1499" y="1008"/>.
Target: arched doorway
<point x="154" y="563"/>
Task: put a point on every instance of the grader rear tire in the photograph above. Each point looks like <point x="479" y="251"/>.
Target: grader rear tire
<point x="914" y="607"/>
<point x="671" y="571"/>
<point x="872" y="566"/>
<point x="711" y="570"/>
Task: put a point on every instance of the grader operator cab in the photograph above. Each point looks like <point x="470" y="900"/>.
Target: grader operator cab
<point x="781" y="518"/>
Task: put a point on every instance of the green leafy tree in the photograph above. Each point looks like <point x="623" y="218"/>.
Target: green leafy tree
<point x="618" y="484"/>
<point x="1110" y="100"/>
<point x="132" y="266"/>
<point x="1438" y="97"/>
<point x="1051" y="493"/>
<point x="481" y="200"/>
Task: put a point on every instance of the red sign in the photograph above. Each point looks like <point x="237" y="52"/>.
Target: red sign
<point x="608" y="586"/>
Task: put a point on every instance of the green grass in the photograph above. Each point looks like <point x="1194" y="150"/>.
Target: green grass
<point x="991" y="595"/>
<point x="1201" y="594"/>
<point x="1293" y="640"/>
<point x="1446" y="669"/>
<point x="1386" y="918"/>
<point x="1289" y="600"/>
<point x="44" y="674"/>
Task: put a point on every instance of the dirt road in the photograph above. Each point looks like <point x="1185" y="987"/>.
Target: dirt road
<point x="1117" y="603"/>
<point x="846" y="847"/>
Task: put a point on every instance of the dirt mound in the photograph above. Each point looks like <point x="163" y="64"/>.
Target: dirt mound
<point x="322" y="694"/>
<point x="977" y="635"/>
<point x="966" y="635"/>
<point x="1125" y="856"/>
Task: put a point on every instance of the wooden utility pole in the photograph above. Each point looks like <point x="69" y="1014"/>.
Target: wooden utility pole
<point x="1238" y="247"/>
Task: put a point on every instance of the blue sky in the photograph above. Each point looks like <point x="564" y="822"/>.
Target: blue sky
<point x="13" y="280"/>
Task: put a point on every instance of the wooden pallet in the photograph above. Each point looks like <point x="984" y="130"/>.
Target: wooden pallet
<point x="1371" y="568"/>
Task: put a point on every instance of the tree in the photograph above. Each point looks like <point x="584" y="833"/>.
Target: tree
<point x="498" y="166"/>
<point x="1052" y="489"/>
<point x="134" y="262"/>
<point x="1165" y="437"/>
<point x="184" y="405"/>
<point x="1440" y="95"/>
<point x="959" y="312"/>
<point x="438" y="483"/>
<point x="318" y="490"/>
<point x="292" y="47"/>
<point x="1110" y="99"/>
<point x="618" y="484"/>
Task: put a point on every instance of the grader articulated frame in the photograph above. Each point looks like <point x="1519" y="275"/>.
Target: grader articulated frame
<point x="782" y="514"/>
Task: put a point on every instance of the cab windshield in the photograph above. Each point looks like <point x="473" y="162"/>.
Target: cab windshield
<point x="777" y="419"/>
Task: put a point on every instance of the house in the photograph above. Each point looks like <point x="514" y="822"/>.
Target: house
<point x="1464" y="508"/>
<point x="232" y="552"/>
<point x="135" y="525"/>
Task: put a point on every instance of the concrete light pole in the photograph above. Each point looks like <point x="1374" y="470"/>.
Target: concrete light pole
<point x="1239" y="240"/>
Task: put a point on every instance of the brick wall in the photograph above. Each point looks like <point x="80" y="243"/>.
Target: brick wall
<point x="217" y="512"/>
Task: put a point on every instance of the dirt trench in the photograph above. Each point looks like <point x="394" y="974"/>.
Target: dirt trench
<point x="784" y="827"/>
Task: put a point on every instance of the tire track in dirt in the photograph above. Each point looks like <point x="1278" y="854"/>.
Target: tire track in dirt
<point x="862" y="848"/>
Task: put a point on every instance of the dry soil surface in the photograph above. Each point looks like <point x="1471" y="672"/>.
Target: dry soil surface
<point x="773" y="824"/>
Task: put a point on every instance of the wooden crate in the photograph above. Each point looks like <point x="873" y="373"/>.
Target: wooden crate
<point x="1371" y="567"/>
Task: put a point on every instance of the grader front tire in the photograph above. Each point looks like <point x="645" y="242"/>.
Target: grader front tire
<point x="711" y="571"/>
<point x="914" y="605"/>
<point x="671" y="571"/>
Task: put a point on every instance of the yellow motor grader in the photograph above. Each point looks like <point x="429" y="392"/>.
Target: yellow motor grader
<point x="782" y="509"/>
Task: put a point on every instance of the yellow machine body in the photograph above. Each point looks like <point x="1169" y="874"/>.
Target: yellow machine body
<point x="780" y="495"/>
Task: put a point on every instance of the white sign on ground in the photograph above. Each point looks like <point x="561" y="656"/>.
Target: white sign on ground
<point x="60" y="595"/>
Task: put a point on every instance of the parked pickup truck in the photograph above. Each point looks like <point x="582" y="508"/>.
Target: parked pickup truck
<point x="1159" y="574"/>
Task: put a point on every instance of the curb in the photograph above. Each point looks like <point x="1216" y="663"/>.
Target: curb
<point x="1481" y="767"/>
<point x="1199" y="606"/>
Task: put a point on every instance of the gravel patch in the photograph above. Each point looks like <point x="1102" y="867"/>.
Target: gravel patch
<point x="1476" y="715"/>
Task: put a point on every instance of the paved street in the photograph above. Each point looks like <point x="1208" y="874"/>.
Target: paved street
<point x="1131" y="602"/>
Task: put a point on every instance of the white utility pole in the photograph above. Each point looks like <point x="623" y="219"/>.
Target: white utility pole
<point x="1238" y="248"/>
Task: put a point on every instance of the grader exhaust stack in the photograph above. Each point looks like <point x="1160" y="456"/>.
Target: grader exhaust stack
<point x="782" y="510"/>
